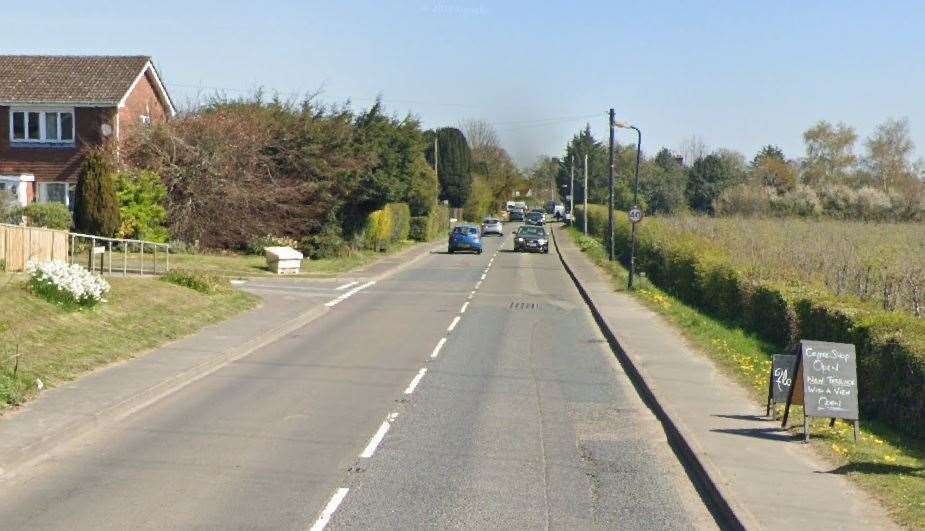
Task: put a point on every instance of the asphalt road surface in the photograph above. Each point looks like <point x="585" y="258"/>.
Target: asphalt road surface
<point x="465" y="391"/>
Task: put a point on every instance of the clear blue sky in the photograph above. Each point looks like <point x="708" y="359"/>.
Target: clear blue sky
<point x="739" y="74"/>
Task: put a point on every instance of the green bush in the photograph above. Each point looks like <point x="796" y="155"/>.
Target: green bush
<point x="48" y="215"/>
<point x="206" y="283"/>
<point x="420" y="228"/>
<point x="142" y="196"/>
<point x="326" y="244"/>
<point x="257" y="245"/>
<point x="890" y="345"/>
<point x="434" y="225"/>
<point x="387" y="227"/>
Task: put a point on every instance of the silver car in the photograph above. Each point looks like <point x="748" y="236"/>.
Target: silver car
<point x="492" y="226"/>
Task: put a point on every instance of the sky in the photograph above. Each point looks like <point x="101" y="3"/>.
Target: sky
<point x="737" y="74"/>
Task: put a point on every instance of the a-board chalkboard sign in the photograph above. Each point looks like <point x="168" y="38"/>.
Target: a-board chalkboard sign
<point x="783" y="369"/>
<point x="826" y="383"/>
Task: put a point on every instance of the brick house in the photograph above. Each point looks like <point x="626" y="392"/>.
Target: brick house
<point x="53" y="107"/>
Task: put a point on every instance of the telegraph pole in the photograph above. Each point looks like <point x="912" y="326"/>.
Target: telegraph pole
<point x="586" y="194"/>
<point x="610" y="192"/>
<point x="436" y="154"/>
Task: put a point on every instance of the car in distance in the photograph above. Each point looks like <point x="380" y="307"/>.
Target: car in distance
<point x="516" y="215"/>
<point x="531" y="238"/>
<point x="465" y="238"/>
<point x="536" y="218"/>
<point x="492" y="226"/>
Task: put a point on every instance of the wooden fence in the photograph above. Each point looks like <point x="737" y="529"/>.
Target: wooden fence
<point x="19" y="244"/>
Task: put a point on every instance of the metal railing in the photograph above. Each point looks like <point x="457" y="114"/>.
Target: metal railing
<point x="119" y="255"/>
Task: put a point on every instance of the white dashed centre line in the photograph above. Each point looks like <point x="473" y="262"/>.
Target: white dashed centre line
<point x="471" y="294"/>
<point x="347" y="285"/>
<point x="477" y="284"/>
<point x="378" y="436"/>
<point x="439" y="346"/>
<point x="415" y="381"/>
<point x="329" y="509"/>
<point x="464" y="306"/>
<point x="453" y="324"/>
<point x="483" y="276"/>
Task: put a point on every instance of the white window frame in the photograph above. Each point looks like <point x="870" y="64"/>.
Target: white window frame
<point x="42" y="192"/>
<point x="21" y="184"/>
<point x="42" y="133"/>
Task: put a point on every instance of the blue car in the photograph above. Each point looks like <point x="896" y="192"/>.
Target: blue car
<point x="465" y="238"/>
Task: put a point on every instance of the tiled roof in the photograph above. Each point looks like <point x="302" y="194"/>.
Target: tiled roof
<point x="67" y="79"/>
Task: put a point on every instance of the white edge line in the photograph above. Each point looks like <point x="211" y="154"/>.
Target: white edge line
<point x="329" y="509"/>
<point x="439" y="346"/>
<point x="415" y="381"/>
<point x="477" y="284"/>
<point x="347" y="285"/>
<point x="464" y="306"/>
<point x="378" y="436"/>
<point x="483" y="276"/>
<point x="453" y="324"/>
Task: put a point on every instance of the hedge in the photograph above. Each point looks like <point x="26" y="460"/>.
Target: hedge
<point x="387" y="227"/>
<point x="890" y="345"/>
<point x="431" y="226"/>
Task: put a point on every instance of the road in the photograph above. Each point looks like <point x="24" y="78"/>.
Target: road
<point x="465" y="391"/>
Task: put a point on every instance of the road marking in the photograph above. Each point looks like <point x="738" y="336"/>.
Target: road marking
<point x="438" y="347"/>
<point x="415" y="381"/>
<point x="477" y="284"/>
<point x="347" y="285"/>
<point x="471" y="294"/>
<point x="464" y="306"/>
<point x="453" y="324"/>
<point x="329" y="509"/>
<point x="343" y="297"/>
<point x="483" y="276"/>
<point x="378" y="436"/>
<point x="236" y="282"/>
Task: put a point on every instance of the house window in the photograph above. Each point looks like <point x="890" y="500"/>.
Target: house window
<point x="55" y="126"/>
<point x="54" y="193"/>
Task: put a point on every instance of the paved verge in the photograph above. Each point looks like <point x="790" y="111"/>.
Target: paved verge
<point x="764" y="477"/>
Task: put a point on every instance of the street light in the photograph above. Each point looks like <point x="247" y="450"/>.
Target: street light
<point x="635" y="199"/>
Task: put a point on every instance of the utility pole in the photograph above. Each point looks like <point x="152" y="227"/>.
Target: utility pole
<point x="571" y="190"/>
<point x="586" y="194"/>
<point x="436" y="155"/>
<point x="610" y="192"/>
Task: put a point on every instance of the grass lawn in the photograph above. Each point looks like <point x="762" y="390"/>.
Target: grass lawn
<point x="55" y="344"/>
<point x="243" y="265"/>
<point x="888" y="465"/>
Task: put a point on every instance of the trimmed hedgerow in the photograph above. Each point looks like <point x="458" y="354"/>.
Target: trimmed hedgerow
<point x="890" y="345"/>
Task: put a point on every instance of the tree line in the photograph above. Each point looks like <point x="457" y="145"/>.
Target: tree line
<point x="829" y="179"/>
<point x="232" y="172"/>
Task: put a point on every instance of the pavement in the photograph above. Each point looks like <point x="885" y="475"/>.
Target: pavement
<point x="766" y="477"/>
<point x="464" y="391"/>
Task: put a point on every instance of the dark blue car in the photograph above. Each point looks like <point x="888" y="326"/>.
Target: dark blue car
<point x="465" y="238"/>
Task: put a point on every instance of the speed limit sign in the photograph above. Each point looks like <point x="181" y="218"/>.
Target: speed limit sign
<point x="635" y="214"/>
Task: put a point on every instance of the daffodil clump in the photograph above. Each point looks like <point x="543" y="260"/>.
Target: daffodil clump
<point x="66" y="284"/>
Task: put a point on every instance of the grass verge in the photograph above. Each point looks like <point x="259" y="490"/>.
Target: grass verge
<point x="888" y="465"/>
<point x="56" y="344"/>
<point x="241" y="265"/>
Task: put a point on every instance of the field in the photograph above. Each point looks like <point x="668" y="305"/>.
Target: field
<point x="875" y="262"/>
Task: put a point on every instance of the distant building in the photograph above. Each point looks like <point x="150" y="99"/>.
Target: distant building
<point x="54" y="107"/>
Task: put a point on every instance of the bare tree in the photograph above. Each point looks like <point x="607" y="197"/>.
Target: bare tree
<point x="480" y="134"/>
